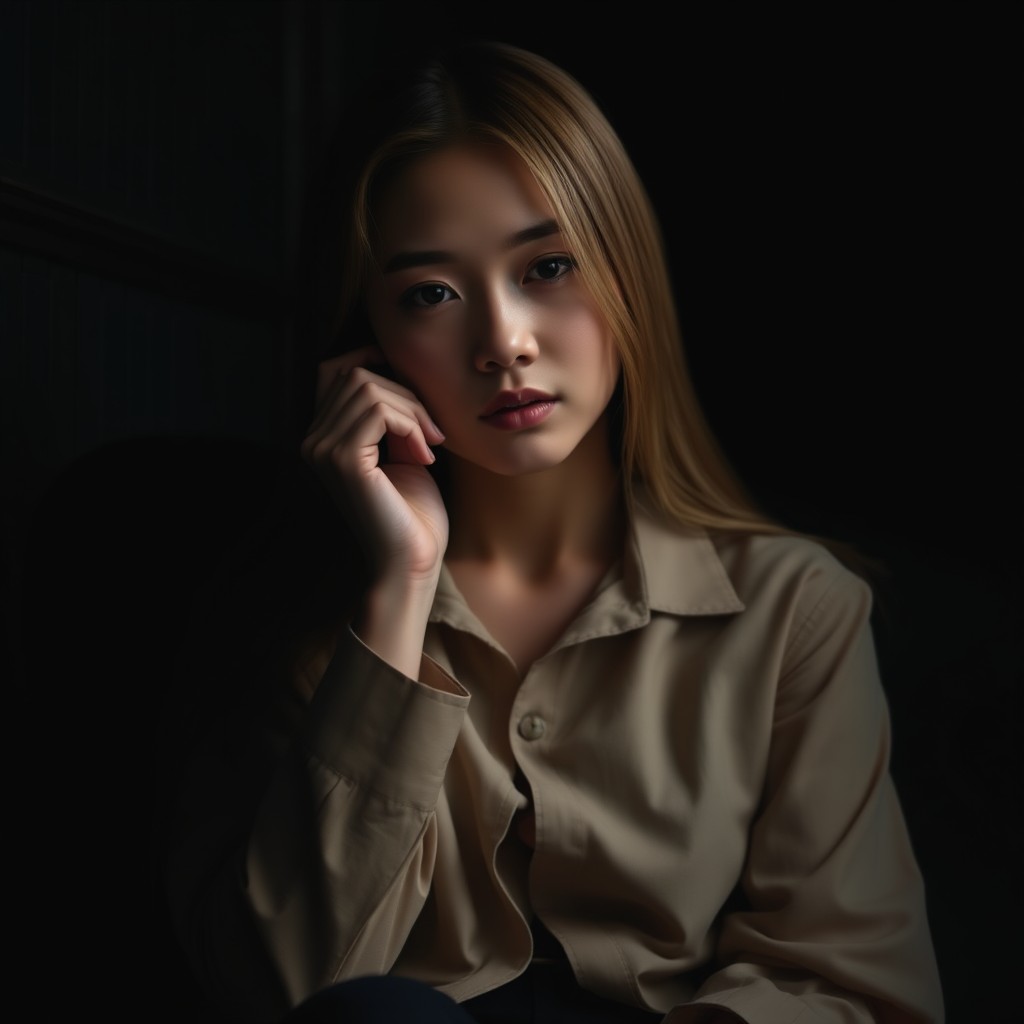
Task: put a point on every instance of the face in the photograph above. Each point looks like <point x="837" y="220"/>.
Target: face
<point x="478" y="307"/>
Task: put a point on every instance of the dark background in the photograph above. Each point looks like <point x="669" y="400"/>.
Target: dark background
<point x="835" y="194"/>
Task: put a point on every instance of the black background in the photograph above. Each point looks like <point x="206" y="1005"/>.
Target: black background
<point x="840" y="201"/>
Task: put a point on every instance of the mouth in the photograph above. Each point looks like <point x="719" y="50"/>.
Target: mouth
<point x="508" y="401"/>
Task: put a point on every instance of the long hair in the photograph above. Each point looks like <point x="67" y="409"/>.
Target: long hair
<point x="490" y="91"/>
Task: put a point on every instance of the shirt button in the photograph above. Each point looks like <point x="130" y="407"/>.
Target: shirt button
<point x="531" y="727"/>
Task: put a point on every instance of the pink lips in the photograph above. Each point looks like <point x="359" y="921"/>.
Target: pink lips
<point x="514" y="410"/>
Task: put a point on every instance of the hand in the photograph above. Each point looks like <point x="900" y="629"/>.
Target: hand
<point x="394" y="506"/>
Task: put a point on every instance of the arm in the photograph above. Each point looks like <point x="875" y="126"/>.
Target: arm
<point x="304" y="844"/>
<point x="321" y="873"/>
<point x="835" y="927"/>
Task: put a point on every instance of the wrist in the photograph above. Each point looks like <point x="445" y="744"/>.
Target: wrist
<point x="392" y="621"/>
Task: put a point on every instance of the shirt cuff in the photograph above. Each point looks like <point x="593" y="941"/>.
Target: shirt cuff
<point x="758" y="1002"/>
<point x="378" y="728"/>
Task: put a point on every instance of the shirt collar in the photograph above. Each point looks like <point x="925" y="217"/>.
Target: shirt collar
<point x="665" y="568"/>
<point x="680" y="568"/>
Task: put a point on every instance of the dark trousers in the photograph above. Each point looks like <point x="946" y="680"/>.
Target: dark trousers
<point x="544" y="994"/>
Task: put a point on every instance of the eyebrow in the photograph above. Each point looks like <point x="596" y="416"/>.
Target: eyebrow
<point x="404" y="260"/>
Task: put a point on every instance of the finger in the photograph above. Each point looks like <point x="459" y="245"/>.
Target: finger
<point x="360" y="428"/>
<point x="336" y="383"/>
<point x="402" y="433"/>
<point x="359" y="391"/>
<point x="338" y="367"/>
<point x="404" y="451"/>
<point x="406" y="445"/>
<point x="362" y="387"/>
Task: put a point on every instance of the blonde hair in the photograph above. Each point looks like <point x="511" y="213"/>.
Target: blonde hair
<point x="495" y="92"/>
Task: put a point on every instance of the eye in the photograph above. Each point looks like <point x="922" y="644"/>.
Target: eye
<point x="425" y="295"/>
<point x="550" y="268"/>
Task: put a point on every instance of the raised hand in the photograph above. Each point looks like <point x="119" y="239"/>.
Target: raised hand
<point x="392" y="504"/>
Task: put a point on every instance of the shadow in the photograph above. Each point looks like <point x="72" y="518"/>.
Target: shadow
<point x="117" y="551"/>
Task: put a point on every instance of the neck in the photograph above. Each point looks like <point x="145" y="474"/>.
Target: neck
<point x="539" y="523"/>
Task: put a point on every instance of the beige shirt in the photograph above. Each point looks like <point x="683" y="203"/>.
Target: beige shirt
<point x="714" y="823"/>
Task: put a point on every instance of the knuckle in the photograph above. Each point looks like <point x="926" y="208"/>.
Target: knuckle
<point x="313" y="452"/>
<point x="339" y="461"/>
<point x="321" y="452"/>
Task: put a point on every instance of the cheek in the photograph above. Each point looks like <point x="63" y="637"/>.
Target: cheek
<point x="593" y="346"/>
<point x="576" y="316"/>
<point x="425" y="369"/>
<point x="418" y="352"/>
<point x="423" y="379"/>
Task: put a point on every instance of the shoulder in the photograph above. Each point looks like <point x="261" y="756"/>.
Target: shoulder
<point x="794" y="583"/>
<point x="817" y="610"/>
<point x="780" y="612"/>
<point x="688" y="570"/>
<point x="783" y="563"/>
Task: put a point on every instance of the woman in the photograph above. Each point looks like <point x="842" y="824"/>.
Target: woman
<point x="578" y="728"/>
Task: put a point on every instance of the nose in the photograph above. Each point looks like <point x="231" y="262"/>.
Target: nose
<point x="506" y="336"/>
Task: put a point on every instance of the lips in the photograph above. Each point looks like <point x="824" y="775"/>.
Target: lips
<point x="507" y="400"/>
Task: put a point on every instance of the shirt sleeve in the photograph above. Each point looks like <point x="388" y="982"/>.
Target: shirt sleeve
<point x="833" y="927"/>
<point x="304" y="851"/>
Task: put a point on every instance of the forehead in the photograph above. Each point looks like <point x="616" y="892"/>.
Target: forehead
<point x="477" y="193"/>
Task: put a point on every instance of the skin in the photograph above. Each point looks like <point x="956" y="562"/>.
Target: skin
<point x="475" y="293"/>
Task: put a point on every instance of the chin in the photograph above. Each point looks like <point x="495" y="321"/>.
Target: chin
<point x="522" y="462"/>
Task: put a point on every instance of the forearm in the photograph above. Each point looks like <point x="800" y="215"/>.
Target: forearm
<point x="285" y="911"/>
<point x="330" y="870"/>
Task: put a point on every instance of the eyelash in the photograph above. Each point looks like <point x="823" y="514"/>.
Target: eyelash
<point x="411" y="297"/>
<point x="567" y="262"/>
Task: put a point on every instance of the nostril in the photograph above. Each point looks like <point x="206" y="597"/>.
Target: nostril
<point x="505" y="348"/>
